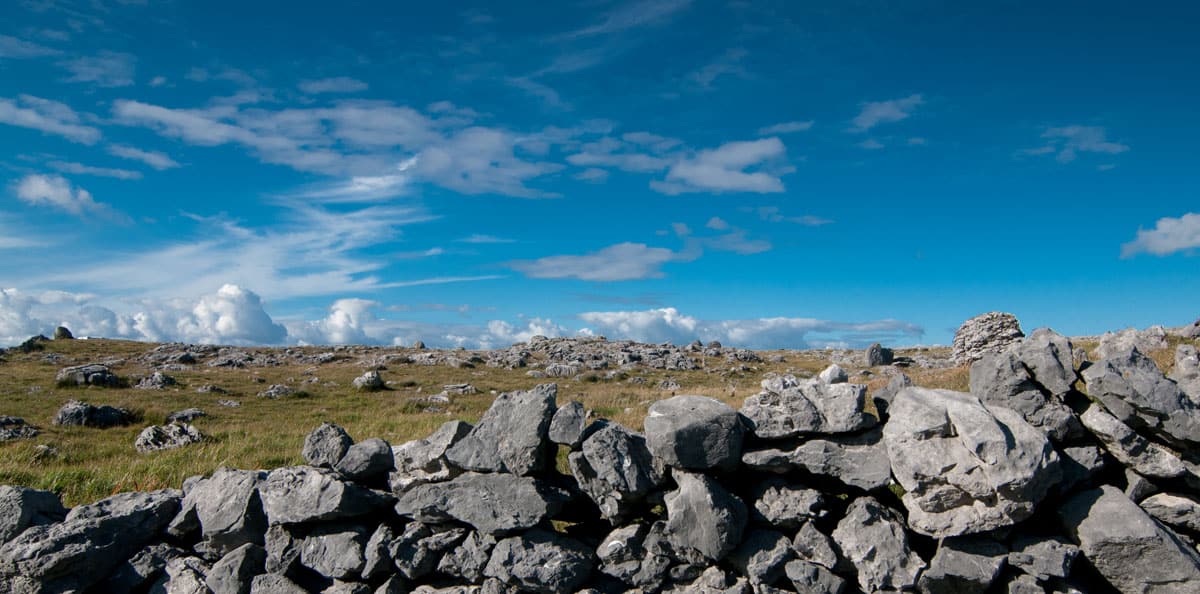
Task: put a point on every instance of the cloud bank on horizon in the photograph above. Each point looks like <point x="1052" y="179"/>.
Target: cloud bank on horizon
<point x="475" y="175"/>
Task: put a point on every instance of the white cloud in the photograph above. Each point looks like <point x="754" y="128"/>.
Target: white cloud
<point x="883" y="112"/>
<point x="339" y="84"/>
<point x="81" y="169"/>
<point x="668" y="324"/>
<point x="47" y="116"/>
<point x="632" y="15"/>
<point x="56" y="192"/>
<point x="786" y="128"/>
<point x="1169" y="235"/>
<point x="871" y="144"/>
<point x="12" y="47"/>
<point x="772" y="214"/>
<point x="749" y="166"/>
<point x="626" y="156"/>
<point x="736" y="242"/>
<point x="623" y="261"/>
<point x="481" y="238"/>
<point x="155" y="159"/>
<point x="717" y="224"/>
<point x="344" y="325"/>
<point x="1068" y="141"/>
<point x="106" y="69"/>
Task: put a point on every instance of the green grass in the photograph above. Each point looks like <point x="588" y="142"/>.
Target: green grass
<point x="263" y="433"/>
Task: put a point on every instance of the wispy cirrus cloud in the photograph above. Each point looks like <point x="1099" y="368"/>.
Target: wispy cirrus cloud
<point x="337" y="84"/>
<point x="1067" y="142"/>
<point x="619" y="262"/>
<point x="14" y="48"/>
<point x="45" y="115"/>
<point x="874" y="113"/>
<point x="81" y="169"/>
<point x="157" y="160"/>
<point x="786" y="128"/>
<point x="105" y="69"/>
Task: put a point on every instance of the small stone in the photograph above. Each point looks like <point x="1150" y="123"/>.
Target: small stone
<point x="834" y="375"/>
<point x="366" y="460"/>
<point x="762" y="556"/>
<point x="186" y="415"/>
<point x="326" y="445"/>
<point x="166" y="437"/>
<point x="964" y="564"/>
<point x="566" y="428"/>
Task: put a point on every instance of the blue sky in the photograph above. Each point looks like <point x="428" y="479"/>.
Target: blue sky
<point x="767" y="174"/>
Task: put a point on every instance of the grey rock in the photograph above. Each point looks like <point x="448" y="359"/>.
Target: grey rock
<point x="16" y="428"/>
<point x="166" y="437"/>
<point x="713" y="580"/>
<point x="833" y="375"/>
<point x="277" y="391"/>
<point x="186" y="415"/>
<point x="966" y="467"/>
<point x="271" y="583"/>
<point x="491" y="503"/>
<point x="1043" y="557"/>
<point x="1136" y="392"/>
<point x="335" y="551"/>
<point x="1002" y="379"/>
<point x="469" y="558"/>
<point x="762" y="555"/>
<point x="366" y="459"/>
<point x="704" y="521"/>
<point x="872" y="539"/>
<point x="418" y="548"/>
<point x="68" y="555"/>
<point x="776" y="503"/>
<point x="22" y="507"/>
<point x="814" y="546"/>
<point x="377" y="558"/>
<point x="1129" y="448"/>
<point x="859" y="461"/>
<point x="1024" y="584"/>
<point x="369" y="382"/>
<point x="1113" y="343"/>
<point x="876" y="355"/>
<point x="635" y="554"/>
<point x="512" y="436"/>
<point x="539" y="561"/>
<point x="225" y="508"/>
<point x="141" y="570"/>
<point x="1137" y="487"/>
<point x="1132" y="551"/>
<point x="1177" y="511"/>
<point x="813" y="579"/>
<point x="156" y="381"/>
<point x="340" y="587"/>
<point x="694" y="432"/>
<point x="92" y="374"/>
<point x="788" y="407"/>
<point x="888" y="393"/>
<point x="1080" y="464"/>
<point x="1049" y="358"/>
<point x="964" y="564"/>
<point x="235" y="571"/>
<point x="615" y="469"/>
<point x="75" y="412"/>
<point x="326" y="445"/>
<point x="304" y="494"/>
<point x="424" y="460"/>
<point x="283" y="549"/>
<point x="992" y="332"/>
<point x="566" y="427"/>
<point x="770" y="459"/>
<point x="1186" y="372"/>
<point x="182" y="575"/>
<point x="62" y="333"/>
<point x="393" y="585"/>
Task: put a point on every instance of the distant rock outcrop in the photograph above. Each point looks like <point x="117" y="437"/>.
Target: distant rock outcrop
<point x="987" y="333"/>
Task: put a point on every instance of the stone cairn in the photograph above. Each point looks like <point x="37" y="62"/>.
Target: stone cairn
<point x="1025" y="484"/>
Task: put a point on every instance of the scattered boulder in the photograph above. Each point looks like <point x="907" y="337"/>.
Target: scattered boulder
<point x="166" y="437"/>
<point x="156" y="381"/>
<point x="92" y="374"/>
<point x="876" y="355"/>
<point x="16" y="428"/>
<point x="186" y="415"/>
<point x="991" y="332"/>
<point x="277" y="391"/>
<point x="694" y="432"/>
<point x="83" y="414"/>
<point x="370" y="381"/>
<point x="834" y="375"/>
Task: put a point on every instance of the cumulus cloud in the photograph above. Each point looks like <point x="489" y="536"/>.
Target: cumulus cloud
<point x="786" y="128"/>
<point x="1067" y="142"/>
<point x="745" y="166"/>
<point x="105" y="69"/>
<point x="56" y="192"/>
<point x="874" y="113"/>
<point x="1169" y="235"/>
<point x="620" y="262"/>
<point x="155" y="159"/>
<point x="346" y="324"/>
<point x="47" y="116"/>
<point x="667" y="324"/>
<point x="339" y="84"/>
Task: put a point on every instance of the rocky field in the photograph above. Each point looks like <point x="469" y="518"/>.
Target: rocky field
<point x="1008" y="463"/>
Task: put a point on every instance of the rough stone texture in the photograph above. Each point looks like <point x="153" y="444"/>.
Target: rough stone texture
<point x="991" y="332"/>
<point x="964" y="565"/>
<point x="966" y="467"/>
<point x="813" y="545"/>
<point x="16" y="428"/>
<point x="1136" y="392"/>
<point x="876" y="355"/>
<point x="1187" y="372"/>
<point x="776" y="503"/>
<point x="491" y="503"/>
<point x="469" y="558"/>
<point x="1174" y="510"/>
<point x="182" y="575"/>
<point x="1114" y="343"/>
<point x="566" y="427"/>
<point x="636" y="555"/>
<point x="22" y="507"/>
<point x="235" y="571"/>
<point x="225" y="508"/>
<point x="271" y="583"/>
<point x="277" y="391"/>
<point x="424" y="460"/>
<point x="141" y="570"/>
<point x="1042" y="557"/>
<point x="615" y="469"/>
<point x="859" y="461"/>
<point x="813" y="579"/>
<point x="92" y="374"/>
<point x="156" y="381"/>
<point x="186" y="415"/>
<point x="833" y="374"/>
<point x="166" y="437"/>
<point x="1127" y="547"/>
<point x="512" y="436"/>
<point x="67" y="556"/>
<point x="335" y="550"/>
<point x="871" y="538"/>
<point x="1003" y="379"/>
<point x="1137" y="487"/>
<point x="369" y="382"/>
<point x="1129" y="448"/>
<point x="366" y="460"/>
<point x="788" y="407"/>
<point x="1049" y="358"/>
<point x="75" y="412"/>
<point x="762" y="556"/>
<point x="326" y="445"/>
<point x="694" y="432"/>
<point x="713" y="580"/>
<point x="540" y="561"/>
<point x="704" y="521"/>
<point x="304" y="494"/>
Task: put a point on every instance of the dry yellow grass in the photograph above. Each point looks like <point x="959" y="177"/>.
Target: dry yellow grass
<point x="264" y="433"/>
